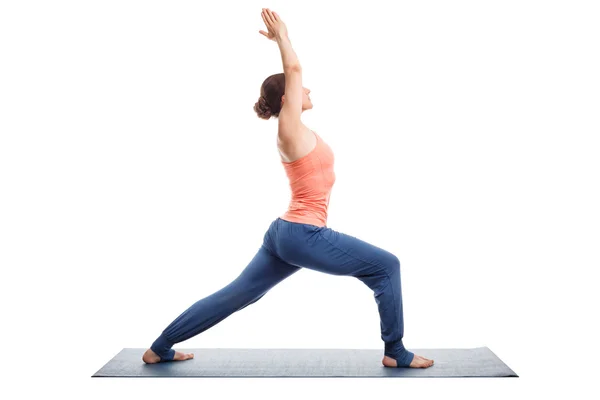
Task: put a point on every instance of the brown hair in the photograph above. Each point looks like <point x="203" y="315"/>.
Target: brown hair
<point x="271" y="91"/>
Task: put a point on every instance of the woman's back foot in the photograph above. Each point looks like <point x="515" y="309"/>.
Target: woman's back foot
<point x="417" y="362"/>
<point x="151" y="357"/>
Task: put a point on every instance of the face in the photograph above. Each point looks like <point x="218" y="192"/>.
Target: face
<point x="306" y="102"/>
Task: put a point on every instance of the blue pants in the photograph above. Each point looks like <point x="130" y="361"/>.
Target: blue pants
<point x="287" y="247"/>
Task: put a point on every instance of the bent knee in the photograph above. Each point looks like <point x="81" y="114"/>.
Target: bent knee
<point x="396" y="262"/>
<point x="392" y="263"/>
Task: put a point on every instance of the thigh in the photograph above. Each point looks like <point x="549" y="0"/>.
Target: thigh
<point x="263" y="272"/>
<point x="327" y="250"/>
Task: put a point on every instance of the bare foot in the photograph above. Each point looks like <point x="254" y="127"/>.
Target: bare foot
<point x="417" y="362"/>
<point x="151" y="357"/>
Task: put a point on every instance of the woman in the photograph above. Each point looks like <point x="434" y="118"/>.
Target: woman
<point x="299" y="238"/>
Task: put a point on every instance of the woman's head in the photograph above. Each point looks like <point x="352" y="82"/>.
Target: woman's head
<point x="272" y="97"/>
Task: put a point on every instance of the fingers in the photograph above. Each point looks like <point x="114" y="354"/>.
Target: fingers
<point x="269" y="16"/>
<point x="267" y="23"/>
<point x="272" y="15"/>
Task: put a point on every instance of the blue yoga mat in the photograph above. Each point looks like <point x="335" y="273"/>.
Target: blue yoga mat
<point x="232" y="362"/>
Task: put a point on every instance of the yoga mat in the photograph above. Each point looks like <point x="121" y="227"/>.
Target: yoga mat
<point x="232" y="362"/>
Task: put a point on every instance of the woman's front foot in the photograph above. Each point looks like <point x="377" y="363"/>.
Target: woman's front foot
<point x="417" y="362"/>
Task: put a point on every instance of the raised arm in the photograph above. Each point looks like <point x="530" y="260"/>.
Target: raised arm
<point x="289" y="116"/>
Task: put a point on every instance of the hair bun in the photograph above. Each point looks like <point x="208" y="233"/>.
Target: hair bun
<point x="262" y="108"/>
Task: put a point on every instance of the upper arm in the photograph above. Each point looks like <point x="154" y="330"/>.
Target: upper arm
<point x="289" y="116"/>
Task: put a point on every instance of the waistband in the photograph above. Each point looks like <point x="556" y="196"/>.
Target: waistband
<point x="300" y="223"/>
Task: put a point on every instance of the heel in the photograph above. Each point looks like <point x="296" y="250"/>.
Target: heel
<point x="162" y="348"/>
<point x="403" y="359"/>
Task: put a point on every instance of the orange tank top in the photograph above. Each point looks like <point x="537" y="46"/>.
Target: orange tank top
<point x="311" y="179"/>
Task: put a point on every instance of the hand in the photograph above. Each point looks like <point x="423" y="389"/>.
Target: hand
<point x="276" y="27"/>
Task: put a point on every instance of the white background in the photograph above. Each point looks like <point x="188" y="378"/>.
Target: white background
<point x="136" y="178"/>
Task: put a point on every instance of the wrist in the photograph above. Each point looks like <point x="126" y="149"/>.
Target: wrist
<point x="281" y="37"/>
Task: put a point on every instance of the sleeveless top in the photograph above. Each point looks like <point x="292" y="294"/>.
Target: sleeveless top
<point x="311" y="179"/>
